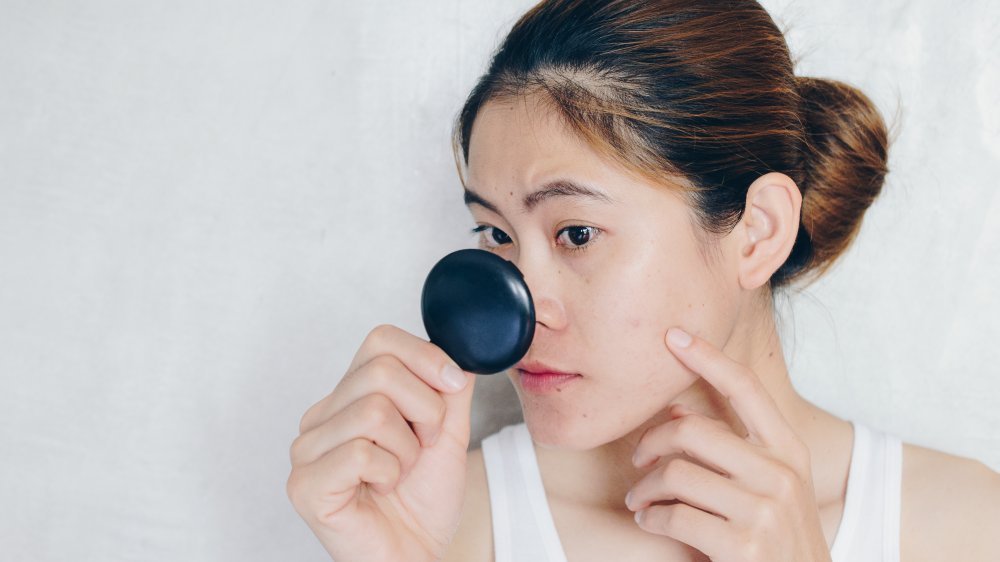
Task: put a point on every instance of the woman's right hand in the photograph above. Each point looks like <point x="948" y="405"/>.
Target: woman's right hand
<point x="378" y="470"/>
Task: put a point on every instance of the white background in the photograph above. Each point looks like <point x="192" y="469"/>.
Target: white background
<point x="206" y="205"/>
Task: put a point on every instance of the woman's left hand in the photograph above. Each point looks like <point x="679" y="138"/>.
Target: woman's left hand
<point x="757" y="503"/>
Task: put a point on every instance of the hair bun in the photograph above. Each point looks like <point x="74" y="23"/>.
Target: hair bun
<point x="845" y="166"/>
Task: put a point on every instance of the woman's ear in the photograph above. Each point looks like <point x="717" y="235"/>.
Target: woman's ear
<point x="768" y="228"/>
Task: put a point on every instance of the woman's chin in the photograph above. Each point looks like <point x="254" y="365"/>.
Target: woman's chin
<point x="547" y="437"/>
<point x="553" y="430"/>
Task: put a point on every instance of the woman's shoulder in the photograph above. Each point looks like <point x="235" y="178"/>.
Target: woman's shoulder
<point x="950" y="507"/>
<point x="473" y="541"/>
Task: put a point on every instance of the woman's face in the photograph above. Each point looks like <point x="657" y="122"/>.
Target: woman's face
<point x="609" y="271"/>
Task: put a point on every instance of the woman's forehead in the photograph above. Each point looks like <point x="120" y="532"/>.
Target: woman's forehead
<point x="522" y="147"/>
<point x="523" y="126"/>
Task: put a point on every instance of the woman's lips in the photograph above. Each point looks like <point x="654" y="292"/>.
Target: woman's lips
<point x="545" y="381"/>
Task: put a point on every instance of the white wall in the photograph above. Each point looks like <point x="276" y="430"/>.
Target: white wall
<point x="205" y="206"/>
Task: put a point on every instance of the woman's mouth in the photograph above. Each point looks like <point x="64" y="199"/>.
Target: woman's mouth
<point x="539" y="378"/>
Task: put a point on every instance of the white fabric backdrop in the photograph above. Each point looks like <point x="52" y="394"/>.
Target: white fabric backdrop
<point x="206" y="205"/>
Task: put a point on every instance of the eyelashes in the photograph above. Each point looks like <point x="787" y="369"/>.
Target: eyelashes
<point x="491" y="236"/>
<point x="575" y="238"/>
<point x="578" y="237"/>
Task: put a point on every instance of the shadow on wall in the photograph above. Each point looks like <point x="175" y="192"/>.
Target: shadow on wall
<point x="494" y="405"/>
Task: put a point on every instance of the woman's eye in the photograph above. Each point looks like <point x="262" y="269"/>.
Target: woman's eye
<point x="574" y="238"/>
<point x="492" y="236"/>
<point x="577" y="237"/>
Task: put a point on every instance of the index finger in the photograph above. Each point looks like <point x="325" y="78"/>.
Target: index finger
<point x="424" y="359"/>
<point x="740" y="385"/>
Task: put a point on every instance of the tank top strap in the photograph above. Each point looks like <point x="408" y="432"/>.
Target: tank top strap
<point x="893" y="479"/>
<point x="523" y="528"/>
<point x="869" y="526"/>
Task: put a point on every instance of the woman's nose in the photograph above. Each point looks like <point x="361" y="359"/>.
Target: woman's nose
<point x="543" y="284"/>
<point x="550" y="313"/>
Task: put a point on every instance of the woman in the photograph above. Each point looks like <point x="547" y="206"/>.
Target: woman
<point x="656" y="171"/>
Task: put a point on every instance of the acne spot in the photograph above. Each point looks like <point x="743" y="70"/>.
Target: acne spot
<point x="558" y="389"/>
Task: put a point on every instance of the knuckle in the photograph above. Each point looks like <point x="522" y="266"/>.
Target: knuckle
<point x="305" y="421"/>
<point x="787" y="484"/>
<point x="376" y="411"/>
<point x="753" y="550"/>
<point x="378" y="338"/>
<point x="309" y="418"/>
<point x="380" y="370"/>
<point x="765" y="519"/>
<point x="293" y="486"/>
<point x="295" y="452"/>
<point x="379" y="334"/>
<point x="358" y="453"/>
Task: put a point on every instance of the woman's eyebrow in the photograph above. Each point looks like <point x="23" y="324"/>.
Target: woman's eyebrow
<point x="472" y="198"/>
<point x="557" y="188"/>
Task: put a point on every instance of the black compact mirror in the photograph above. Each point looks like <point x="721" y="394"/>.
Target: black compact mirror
<point x="477" y="308"/>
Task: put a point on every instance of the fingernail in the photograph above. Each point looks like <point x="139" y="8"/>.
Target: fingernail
<point x="453" y="377"/>
<point x="679" y="337"/>
<point x="628" y="499"/>
<point x="638" y="516"/>
<point x="635" y="459"/>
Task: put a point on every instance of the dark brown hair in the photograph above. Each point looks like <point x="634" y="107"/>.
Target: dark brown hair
<point x="703" y="91"/>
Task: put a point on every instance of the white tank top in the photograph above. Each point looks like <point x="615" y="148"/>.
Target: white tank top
<point x="523" y="528"/>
